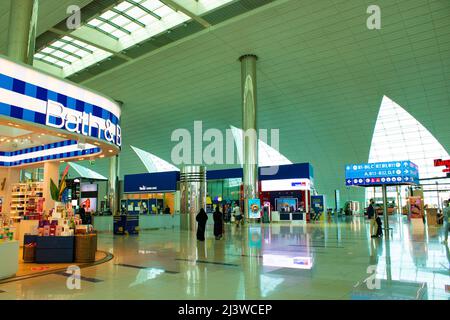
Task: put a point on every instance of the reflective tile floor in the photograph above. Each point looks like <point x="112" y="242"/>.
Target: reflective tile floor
<point x="323" y="260"/>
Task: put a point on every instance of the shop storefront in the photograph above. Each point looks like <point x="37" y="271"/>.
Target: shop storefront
<point x="285" y="193"/>
<point x="46" y="122"/>
<point x="149" y="200"/>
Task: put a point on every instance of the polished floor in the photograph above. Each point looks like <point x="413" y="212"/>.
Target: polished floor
<point x="323" y="260"/>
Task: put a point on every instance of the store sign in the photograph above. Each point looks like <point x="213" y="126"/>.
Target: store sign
<point x="60" y="117"/>
<point x="379" y="173"/>
<point x="36" y="98"/>
<point x="285" y="185"/>
<point x="443" y="163"/>
<point x="151" y="182"/>
<point x="145" y="188"/>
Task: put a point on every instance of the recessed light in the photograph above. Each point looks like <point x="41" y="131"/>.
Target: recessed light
<point x="8" y="140"/>
<point x="96" y="143"/>
<point x="102" y="156"/>
<point x="110" y="151"/>
<point x="9" y="123"/>
<point x="59" y="134"/>
<point x="62" y="161"/>
<point x="16" y="125"/>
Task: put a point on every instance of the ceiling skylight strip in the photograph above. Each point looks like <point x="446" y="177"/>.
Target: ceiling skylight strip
<point x="146" y="10"/>
<point x="48" y="62"/>
<point x="51" y="55"/>
<point x="113" y="25"/>
<point x="126" y="16"/>
<point x="103" y="31"/>
<point x="65" y="51"/>
<point x="76" y="45"/>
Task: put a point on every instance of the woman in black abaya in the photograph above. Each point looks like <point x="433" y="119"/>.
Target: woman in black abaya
<point x="201" y="218"/>
<point x="218" y="223"/>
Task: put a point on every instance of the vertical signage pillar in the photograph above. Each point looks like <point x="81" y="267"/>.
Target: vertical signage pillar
<point x="249" y="128"/>
<point x="113" y="192"/>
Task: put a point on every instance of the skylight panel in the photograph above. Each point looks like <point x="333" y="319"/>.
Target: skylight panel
<point x="107" y="27"/>
<point x="136" y="13"/>
<point x="118" y="33"/>
<point x="50" y="59"/>
<point x="95" y="23"/>
<point x="132" y="26"/>
<point x="108" y="14"/>
<point x="59" y="54"/>
<point x="163" y="11"/>
<point x="151" y="4"/>
<point x="120" y="20"/>
<point x="123" y="6"/>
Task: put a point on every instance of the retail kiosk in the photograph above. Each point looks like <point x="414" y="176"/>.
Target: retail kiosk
<point x="45" y="121"/>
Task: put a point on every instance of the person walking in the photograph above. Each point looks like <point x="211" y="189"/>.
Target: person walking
<point x="446" y="217"/>
<point x="372" y="219"/>
<point x="201" y="219"/>
<point x="218" y="223"/>
<point x="237" y="214"/>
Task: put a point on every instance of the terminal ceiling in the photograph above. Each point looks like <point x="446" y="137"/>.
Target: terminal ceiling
<point x="321" y="78"/>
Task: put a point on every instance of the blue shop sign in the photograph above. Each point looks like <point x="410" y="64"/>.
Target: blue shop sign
<point x="151" y="182"/>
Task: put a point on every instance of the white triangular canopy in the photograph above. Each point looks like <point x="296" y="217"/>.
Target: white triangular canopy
<point x="153" y="163"/>
<point x="86" y="173"/>
<point x="267" y="156"/>
<point x="399" y="136"/>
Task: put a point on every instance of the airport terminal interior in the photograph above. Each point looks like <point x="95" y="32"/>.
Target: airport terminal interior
<point x="224" y="149"/>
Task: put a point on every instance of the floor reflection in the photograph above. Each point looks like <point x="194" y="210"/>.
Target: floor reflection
<point x="334" y="259"/>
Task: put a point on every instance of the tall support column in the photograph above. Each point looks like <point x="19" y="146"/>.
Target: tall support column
<point x="250" y="139"/>
<point x="22" y="30"/>
<point x="385" y="211"/>
<point x="192" y="194"/>
<point x="113" y="182"/>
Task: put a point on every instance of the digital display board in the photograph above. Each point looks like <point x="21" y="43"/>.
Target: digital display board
<point x="382" y="173"/>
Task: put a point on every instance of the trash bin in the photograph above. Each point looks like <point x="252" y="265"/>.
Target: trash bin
<point x="29" y="252"/>
<point x="85" y="247"/>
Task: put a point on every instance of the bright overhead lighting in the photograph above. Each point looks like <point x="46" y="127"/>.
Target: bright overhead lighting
<point x="110" y="151"/>
<point x="102" y="156"/>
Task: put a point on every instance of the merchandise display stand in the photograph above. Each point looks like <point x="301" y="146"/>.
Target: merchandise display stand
<point x="9" y="253"/>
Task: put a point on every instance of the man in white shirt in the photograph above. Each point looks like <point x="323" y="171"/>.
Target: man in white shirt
<point x="237" y="214"/>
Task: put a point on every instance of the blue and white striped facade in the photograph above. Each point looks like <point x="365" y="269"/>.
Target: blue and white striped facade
<point x="38" y="99"/>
